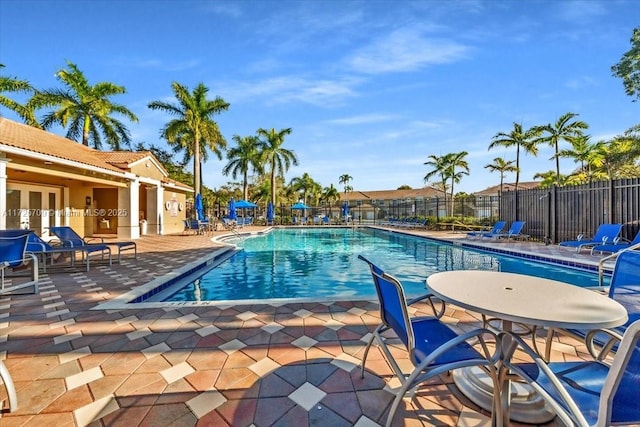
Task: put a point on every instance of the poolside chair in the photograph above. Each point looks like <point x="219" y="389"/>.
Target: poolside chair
<point x="229" y="224"/>
<point x="514" y="232"/>
<point x="624" y="288"/>
<point x="433" y="347"/>
<point x="606" y="233"/>
<point x="13" y="245"/>
<point x="613" y="248"/>
<point x="43" y="249"/>
<point x="68" y="237"/>
<point x="588" y="393"/>
<point x="496" y="229"/>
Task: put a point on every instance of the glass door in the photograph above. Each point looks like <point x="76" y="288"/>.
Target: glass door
<point x="32" y="207"/>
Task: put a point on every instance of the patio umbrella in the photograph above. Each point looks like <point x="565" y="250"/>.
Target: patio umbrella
<point x="300" y="206"/>
<point x="242" y="204"/>
<point x="269" y="213"/>
<point x="232" y="210"/>
<point x="199" y="207"/>
<point x="345" y="209"/>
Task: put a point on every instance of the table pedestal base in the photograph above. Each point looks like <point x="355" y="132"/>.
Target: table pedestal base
<point x="526" y="405"/>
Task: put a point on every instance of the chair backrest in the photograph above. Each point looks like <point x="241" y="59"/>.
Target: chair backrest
<point x="516" y="227"/>
<point x="636" y="239"/>
<point x="36" y="244"/>
<point x="607" y="232"/>
<point x="13" y="247"/>
<point x="67" y="234"/>
<point x="621" y="391"/>
<point x="498" y="226"/>
<point x="625" y="281"/>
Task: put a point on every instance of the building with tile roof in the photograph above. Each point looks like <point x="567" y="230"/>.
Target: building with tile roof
<point x="47" y="180"/>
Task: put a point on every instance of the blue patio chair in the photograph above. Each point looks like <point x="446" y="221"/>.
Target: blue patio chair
<point x="68" y="237"/>
<point x="588" y="393"/>
<point x="37" y="246"/>
<point x="624" y="288"/>
<point x="433" y="347"/>
<point x="496" y="229"/>
<point x="514" y="232"/>
<point x="613" y="248"/>
<point x="13" y="245"/>
<point x="606" y="233"/>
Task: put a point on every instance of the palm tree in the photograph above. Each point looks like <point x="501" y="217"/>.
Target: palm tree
<point x="619" y="152"/>
<point x="14" y="85"/>
<point x="562" y="130"/>
<point x="330" y="195"/>
<point x="193" y="130"/>
<point x="526" y="141"/>
<point x="84" y="109"/>
<point x="345" y="179"/>
<point x="279" y="158"/>
<point x="455" y="161"/>
<point x="439" y="166"/>
<point x="590" y="156"/>
<point x="305" y="184"/>
<point x="501" y="165"/>
<point x="242" y="158"/>
<point x="548" y="178"/>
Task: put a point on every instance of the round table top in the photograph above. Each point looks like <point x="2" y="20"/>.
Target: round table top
<point x="527" y="299"/>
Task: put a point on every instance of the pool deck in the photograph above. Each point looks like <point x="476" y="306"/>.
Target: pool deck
<point x="250" y="365"/>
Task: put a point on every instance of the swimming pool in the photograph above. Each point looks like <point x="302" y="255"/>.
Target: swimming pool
<point x="321" y="264"/>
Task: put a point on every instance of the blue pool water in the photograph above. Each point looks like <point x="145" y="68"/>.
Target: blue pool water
<point x="322" y="263"/>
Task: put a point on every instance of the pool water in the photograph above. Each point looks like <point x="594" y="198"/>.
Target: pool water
<point x="322" y="264"/>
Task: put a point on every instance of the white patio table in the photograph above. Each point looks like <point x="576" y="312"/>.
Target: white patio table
<point x="529" y="300"/>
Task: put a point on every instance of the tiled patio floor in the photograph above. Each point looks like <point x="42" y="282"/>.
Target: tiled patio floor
<point x="262" y="365"/>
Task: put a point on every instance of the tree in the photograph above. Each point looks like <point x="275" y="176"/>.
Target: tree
<point x="330" y="195"/>
<point x="526" y="141"/>
<point x="621" y="154"/>
<point x="590" y="156"/>
<point x="501" y="165"/>
<point x="304" y="184"/>
<point x="243" y="157"/>
<point x="562" y="130"/>
<point x="456" y="161"/>
<point x="193" y="130"/>
<point x="86" y="111"/>
<point x="345" y="179"/>
<point x="10" y="84"/>
<point x="439" y="166"/>
<point x="275" y="155"/>
<point x="628" y="69"/>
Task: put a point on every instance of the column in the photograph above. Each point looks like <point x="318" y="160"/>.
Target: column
<point x="3" y="192"/>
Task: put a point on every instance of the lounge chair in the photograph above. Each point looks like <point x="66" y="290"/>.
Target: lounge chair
<point x="514" y="232"/>
<point x="433" y="347"/>
<point x="13" y="245"/>
<point x="606" y="233"/>
<point x="229" y="224"/>
<point x="43" y="249"/>
<point x="496" y="229"/>
<point x="588" y="393"/>
<point x="68" y="237"/>
<point x="613" y="248"/>
<point x="624" y="288"/>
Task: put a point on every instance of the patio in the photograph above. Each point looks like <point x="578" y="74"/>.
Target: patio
<point x="286" y="365"/>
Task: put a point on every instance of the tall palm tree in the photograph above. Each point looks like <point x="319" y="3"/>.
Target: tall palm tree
<point x="456" y="161"/>
<point x="305" y="184"/>
<point x="86" y="111"/>
<point x="245" y="156"/>
<point x="526" y="141"/>
<point x="275" y="155"/>
<point x="439" y="166"/>
<point x="503" y="166"/>
<point x="345" y="179"/>
<point x="330" y="195"/>
<point x="13" y="85"/>
<point x="193" y="130"/>
<point x="562" y="130"/>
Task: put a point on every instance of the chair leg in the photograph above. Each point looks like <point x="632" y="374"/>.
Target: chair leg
<point x="8" y="385"/>
<point x="366" y="353"/>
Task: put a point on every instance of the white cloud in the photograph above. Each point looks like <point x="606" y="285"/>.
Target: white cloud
<point x="363" y="119"/>
<point x="405" y="50"/>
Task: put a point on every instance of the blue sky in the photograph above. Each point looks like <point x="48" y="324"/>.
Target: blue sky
<point x="370" y="88"/>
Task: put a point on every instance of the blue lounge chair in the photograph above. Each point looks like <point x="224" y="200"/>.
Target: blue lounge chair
<point x="496" y="229"/>
<point x="433" y="347"/>
<point x="13" y="245"/>
<point x="46" y="251"/>
<point x="588" y="393"/>
<point x="514" y="232"/>
<point x="624" y="288"/>
<point x="68" y="237"/>
<point x="613" y="248"/>
<point x="606" y="233"/>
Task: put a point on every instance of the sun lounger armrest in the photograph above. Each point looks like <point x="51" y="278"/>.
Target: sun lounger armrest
<point x="93" y="239"/>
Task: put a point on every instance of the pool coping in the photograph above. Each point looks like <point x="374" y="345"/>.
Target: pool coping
<point x="194" y="268"/>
